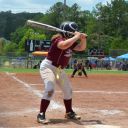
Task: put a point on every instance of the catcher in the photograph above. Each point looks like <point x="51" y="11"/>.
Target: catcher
<point x="52" y="69"/>
<point x="79" y="67"/>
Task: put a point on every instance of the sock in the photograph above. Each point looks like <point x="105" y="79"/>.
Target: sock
<point x="68" y="105"/>
<point x="44" y="105"/>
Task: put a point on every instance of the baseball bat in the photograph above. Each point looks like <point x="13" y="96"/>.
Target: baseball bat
<point x="36" y="24"/>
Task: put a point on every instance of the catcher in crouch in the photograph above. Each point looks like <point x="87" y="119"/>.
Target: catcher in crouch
<point x="52" y="69"/>
<point x="79" y="67"/>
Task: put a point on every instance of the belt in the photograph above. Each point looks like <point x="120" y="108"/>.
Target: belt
<point x="55" y="64"/>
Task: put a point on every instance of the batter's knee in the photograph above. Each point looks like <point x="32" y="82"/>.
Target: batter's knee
<point x="49" y="90"/>
<point x="50" y="93"/>
<point x="68" y="94"/>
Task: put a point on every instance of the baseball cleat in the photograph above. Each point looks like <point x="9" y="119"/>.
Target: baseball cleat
<point x="41" y="119"/>
<point x="72" y="115"/>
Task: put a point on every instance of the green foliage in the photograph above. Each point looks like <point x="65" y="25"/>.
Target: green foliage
<point x="9" y="22"/>
<point x="112" y="19"/>
<point x="3" y="45"/>
<point x="10" y="47"/>
<point x="30" y="34"/>
<point x="118" y="42"/>
<point x="18" y="34"/>
<point x="106" y="25"/>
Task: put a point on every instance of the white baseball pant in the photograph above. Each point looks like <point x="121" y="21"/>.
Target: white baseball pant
<point x="51" y="76"/>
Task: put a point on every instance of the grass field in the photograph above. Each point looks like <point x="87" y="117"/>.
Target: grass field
<point x="69" y="71"/>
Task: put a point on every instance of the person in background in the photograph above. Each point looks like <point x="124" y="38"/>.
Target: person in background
<point x="88" y="64"/>
<point x="79" y="67"/>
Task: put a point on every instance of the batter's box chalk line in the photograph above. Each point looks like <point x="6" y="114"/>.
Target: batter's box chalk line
<point x="109" y="112"/>
<point x="102" y="126"/>
<point x="53" y="104"/>
<point x="87" y="126"/>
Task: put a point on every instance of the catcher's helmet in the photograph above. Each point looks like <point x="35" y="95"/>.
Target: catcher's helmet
<point x="68" y="26"/>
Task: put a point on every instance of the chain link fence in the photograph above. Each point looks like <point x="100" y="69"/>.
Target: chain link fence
<point x="24" y="61"/>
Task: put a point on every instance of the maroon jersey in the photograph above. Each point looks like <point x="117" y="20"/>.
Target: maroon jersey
<point x="59" y="57"/>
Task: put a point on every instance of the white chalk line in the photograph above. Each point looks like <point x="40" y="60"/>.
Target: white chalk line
<point x="102" y="112"/>
<point x="18" y="113"/>
<point x="90" y="91"/>
<point x="102" y="126"/>
<point x="100" y="92"/>
<point x="54" y="105"/>
<point x="86" y="126"/>
<point x="35" y="84"/>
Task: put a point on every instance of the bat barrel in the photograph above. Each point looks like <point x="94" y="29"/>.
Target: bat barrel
<point x="35" y="24"/>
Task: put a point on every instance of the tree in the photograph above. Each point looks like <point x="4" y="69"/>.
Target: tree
<point x="112" y="19"/>
<point x="9" y="21"/>
<point x="106" y="25"/>
<point x="10" y="47"/>
<point x="3" y="42"/>
<point x="54" y="15"/>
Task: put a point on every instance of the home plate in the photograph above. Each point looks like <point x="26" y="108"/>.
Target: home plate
<point x="101" y="126"/>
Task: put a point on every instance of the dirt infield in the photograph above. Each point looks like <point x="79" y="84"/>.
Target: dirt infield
<point x="101" y="100"/>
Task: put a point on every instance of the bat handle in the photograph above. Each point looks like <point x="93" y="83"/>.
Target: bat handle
<point x="72" y="33"/>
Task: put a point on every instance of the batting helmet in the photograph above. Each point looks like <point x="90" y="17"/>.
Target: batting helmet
<point x="68" y="26"/>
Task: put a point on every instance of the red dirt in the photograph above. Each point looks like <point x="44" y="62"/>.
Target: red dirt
<point x="99" y="99"/>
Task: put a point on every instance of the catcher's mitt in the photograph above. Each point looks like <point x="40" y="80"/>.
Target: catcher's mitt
<point x="80" y="73"/>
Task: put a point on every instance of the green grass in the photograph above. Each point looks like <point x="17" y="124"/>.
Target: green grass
<point x="18" y="70"/>
<point x="100" y="71"/>
<point x="69" y="71"/>
<point x="108" y="72"/>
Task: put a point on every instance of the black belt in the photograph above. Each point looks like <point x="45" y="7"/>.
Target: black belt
<point x="56" y="65"/>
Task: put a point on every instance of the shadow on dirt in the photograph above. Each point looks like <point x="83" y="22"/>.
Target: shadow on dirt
<point x="79" y="122"/>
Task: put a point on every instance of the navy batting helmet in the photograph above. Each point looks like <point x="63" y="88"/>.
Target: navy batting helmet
<point x="68" y="26"/>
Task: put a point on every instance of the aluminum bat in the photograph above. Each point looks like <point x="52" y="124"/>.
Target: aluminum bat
<point x="36" y="24"/>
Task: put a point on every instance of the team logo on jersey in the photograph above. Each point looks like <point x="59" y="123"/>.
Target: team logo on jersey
<point x="68" y="53"/>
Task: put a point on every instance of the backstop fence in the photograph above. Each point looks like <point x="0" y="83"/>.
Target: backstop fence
<point x="27" y="60"/>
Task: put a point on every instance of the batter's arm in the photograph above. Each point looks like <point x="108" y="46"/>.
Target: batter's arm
<point x="83" y="43"/>
<point x="69" y="42"/>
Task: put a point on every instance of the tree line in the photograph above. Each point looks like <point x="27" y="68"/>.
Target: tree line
<point x="106" y="26"/>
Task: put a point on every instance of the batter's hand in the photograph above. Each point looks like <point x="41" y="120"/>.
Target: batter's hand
<point x="83" y="36"/>
<point x="78" y="34"/>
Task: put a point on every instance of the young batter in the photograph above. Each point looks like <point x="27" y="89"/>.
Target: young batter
<point x="52" y="68"/>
